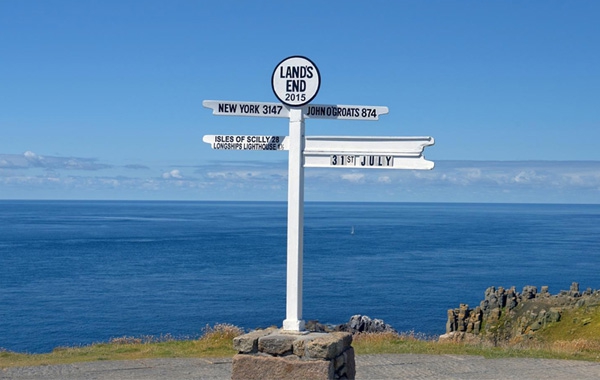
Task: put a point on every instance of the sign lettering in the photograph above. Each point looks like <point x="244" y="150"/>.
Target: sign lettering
<point x="341" y="112"/>
<point x="246" y="142"/>
<point x="261" y="109"/>
<point x="296" y="81"/>
<point x="361" y="161"/>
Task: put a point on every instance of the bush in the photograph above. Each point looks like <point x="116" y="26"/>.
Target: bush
<point x="221" y="331"/>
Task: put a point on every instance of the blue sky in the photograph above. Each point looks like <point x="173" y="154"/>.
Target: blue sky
<point x="103" y="99"/>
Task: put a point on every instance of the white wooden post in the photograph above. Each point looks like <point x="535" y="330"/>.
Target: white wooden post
<point x="295" y="223"/>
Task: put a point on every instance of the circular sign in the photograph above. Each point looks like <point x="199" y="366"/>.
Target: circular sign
<point x="296" y="81"/>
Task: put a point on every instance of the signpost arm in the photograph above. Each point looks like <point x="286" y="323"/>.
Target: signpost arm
<point x="295" y="224"/>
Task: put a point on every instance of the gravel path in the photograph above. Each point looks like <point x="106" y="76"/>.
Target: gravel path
<point x="367" y="367"/>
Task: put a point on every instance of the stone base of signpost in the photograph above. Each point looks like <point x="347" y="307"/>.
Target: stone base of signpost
<point x="277" y="354"/>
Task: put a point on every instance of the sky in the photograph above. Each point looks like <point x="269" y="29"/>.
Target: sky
<point x="103" y="99"/>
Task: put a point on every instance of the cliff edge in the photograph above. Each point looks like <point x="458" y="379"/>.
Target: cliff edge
<point x="507" y="316"/>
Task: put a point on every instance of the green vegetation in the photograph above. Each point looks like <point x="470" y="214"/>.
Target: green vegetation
<point x="578" y="331"/>
<point x="388" y="343"/>
<point x="576" y="336"/>
<point x="582" y="323"/>
<point x="215" y="342"/>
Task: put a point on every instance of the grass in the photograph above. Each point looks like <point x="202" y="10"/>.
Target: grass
<point x="408" y="343"/>
<point x="215" y="342"/>
<point x="582" y="323"/>
<point x="577" y="337"/>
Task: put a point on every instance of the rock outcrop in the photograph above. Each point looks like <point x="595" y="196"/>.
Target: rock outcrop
<point x="357" y="324"/>
<point x="362" y="323"/>
<point x="505" y="314"/>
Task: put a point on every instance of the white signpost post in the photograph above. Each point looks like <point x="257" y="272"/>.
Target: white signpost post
<point x="296" y="81"/>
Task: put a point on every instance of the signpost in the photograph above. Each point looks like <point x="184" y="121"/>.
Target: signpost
<point x="295" y="82"/>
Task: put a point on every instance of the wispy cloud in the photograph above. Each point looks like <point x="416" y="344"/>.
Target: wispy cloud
<point x="464" y="181"/>
<point x="450" y="181"/>
<point x="353" y="177"/>
<point x="244" y="173"/>
<point x="515" y="174"/>
<point x="136" y="167"/>
<point x="173" y="174"/>
<point x="32" y="160"/>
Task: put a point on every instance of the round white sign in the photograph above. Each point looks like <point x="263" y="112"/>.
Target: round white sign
<point x="296" y="81"/>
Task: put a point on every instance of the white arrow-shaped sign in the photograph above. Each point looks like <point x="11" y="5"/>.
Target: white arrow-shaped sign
<point x="338" y="151"/>
<point x="367" y="152"/>
<point x="311" y="111"/>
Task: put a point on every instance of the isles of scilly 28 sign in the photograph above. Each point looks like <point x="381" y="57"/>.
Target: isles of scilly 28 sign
<point x="296" y="81"/>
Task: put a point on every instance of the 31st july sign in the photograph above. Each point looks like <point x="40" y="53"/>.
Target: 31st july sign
<point x="374" y="152"/>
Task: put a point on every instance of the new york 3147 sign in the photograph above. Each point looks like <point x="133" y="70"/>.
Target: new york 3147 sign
<point x="296" y="81"/>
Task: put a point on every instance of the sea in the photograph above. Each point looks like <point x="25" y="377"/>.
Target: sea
<point x="74" y="273"/>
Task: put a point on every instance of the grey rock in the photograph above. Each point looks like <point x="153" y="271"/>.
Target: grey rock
<point x="362" y="323"/>
<point x="249" y="367"/>
<point x="529" y="292"/>
<point x="276" y="344"/>
<point x="248" y="343"/>
<point x="574" y="291"/>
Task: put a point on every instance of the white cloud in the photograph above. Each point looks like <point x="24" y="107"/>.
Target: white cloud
<point x="244" y="172"/>
<point x="238" y="174"/>
<point x="31" y="160"/>
<point x="173" y="174"/>
<point x="136" y="167"/>
<point x="353" y="177"/>
<point x="482" y="181"/>
<point x="527" y="176"/>
<point x="110" y="182"/>
<point x="32" y="157"/>
<point x="473" y="173"/>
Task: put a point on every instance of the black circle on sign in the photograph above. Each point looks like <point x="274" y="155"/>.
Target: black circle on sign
<point x="307" y="100"/>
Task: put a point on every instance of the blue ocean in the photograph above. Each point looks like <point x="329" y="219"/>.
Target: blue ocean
<point x="79" y="272"/>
